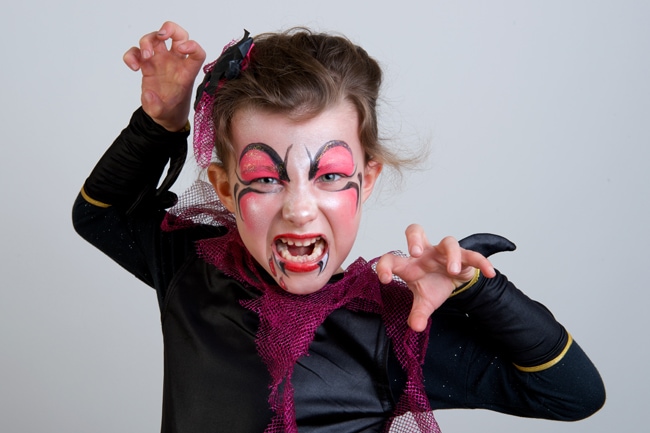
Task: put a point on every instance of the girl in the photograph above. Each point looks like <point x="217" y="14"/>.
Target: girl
<point x="263" y="330"/>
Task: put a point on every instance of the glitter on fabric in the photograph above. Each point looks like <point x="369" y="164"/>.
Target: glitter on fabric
<point x="288" y="322"/>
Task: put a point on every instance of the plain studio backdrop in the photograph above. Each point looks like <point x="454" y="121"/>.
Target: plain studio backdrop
<point x="537" y="115"/>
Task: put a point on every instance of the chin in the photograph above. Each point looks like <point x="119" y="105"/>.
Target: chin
<point x="302" y="284"/>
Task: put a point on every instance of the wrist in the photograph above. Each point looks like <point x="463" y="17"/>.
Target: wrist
<point x="173" y="127"/>
<point x="186" y="128"/>
<point x="467" y="285"/>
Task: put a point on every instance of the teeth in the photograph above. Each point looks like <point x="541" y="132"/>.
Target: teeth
<point x="299" y="242"/>
<point x="317" y="242"/>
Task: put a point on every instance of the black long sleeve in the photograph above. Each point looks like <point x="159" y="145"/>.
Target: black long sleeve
<point x="494" y="348"/>
<point x="523" y="328"/>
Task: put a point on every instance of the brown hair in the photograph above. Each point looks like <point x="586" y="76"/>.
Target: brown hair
<point x="301" y="73"/>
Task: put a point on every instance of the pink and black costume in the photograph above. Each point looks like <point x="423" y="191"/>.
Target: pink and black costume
<point x="488" y="347"/>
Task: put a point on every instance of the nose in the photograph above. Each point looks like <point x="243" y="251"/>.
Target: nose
<point x="300" y="207"/>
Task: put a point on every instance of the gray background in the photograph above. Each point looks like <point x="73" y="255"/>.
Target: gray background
<point x="537" y="115"/>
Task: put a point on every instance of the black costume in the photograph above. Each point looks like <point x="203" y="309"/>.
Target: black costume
<point x="214" y="377"/>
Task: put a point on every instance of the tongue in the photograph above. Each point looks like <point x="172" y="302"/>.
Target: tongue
<point x="300" y="251"/>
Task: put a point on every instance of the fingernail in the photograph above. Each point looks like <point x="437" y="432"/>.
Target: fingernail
<point x="455" y="268"/>
<point x="146" y="54"/>
<point x="162" y="32"/>
<point x="416" y="250"/>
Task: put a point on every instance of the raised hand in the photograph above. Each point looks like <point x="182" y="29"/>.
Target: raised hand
<point x="432" y="272"/>
<point x="169" y="62"/>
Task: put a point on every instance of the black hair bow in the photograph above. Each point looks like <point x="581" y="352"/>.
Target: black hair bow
<point x="227" y="66"/>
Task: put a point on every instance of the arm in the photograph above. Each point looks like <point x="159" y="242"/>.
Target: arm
<point x="120" y="206"/>
<point x="119" y="209"/>
<point x="490" y="345"/>
<point x="129" y="171"/>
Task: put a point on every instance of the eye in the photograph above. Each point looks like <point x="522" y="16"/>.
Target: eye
<point x="266" y="184"/>
<point x="330" y="177"/>
<point x="266" y="180"/>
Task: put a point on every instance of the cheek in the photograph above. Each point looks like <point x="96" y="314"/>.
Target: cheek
<point x="342" y="207"/>
<point x="349" y="202"/>
<point x="254" y="212"/>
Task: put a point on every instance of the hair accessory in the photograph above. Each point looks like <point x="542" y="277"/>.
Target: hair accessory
<point x="232" y="61"/>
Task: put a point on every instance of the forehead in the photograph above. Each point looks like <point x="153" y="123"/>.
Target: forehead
<point x="340" y="122"/>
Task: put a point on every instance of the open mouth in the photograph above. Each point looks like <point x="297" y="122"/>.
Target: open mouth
<point x="300" y="254"/>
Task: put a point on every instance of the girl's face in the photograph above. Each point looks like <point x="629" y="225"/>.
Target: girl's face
<point x="296" y="188"/>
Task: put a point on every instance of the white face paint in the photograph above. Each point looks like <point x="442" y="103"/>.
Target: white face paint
<point x="296" y="188"/>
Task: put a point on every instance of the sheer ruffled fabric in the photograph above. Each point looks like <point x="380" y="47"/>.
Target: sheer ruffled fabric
<point x="233" y="59"/>
<point x="288" y="322"/>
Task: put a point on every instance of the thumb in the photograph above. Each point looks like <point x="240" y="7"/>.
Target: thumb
<point x="424" y="305"/>
<point x="151" y="104"/>
<point x="419" y="316"/>
<point x="150" y="98"/>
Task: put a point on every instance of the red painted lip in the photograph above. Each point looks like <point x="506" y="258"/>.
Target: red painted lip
<point x="300" y="267"/>
<point x="297" y="236"/>
<point x="294" y="266"/>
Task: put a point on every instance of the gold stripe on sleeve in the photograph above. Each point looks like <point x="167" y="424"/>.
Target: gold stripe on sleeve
<point x="92" y="201"/>
<point x="468" y="284"/>
<point x="550" y="363"/>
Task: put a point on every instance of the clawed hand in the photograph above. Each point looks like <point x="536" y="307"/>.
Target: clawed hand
<point x="168" y="73"/>
<point x="432" y="272"/>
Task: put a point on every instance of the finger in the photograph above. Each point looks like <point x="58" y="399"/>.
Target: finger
<point x="390" y="265"/>
<point x="453" y="253"/>
<point x="416" y="240"/>
<point x="132" y="58"/>
<point x="384" y="268"/>
<point x="171" y="30"/>
<point x="181" y="45"/>
<point x="477" y="260"/>
<point x="194" y="52"/>
<point x="149" y="43"/>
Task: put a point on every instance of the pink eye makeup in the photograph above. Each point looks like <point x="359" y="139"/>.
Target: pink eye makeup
<point x="259" y="160"/>
<point x="335" y="157"/>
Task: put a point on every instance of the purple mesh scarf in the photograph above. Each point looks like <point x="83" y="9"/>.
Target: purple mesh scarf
<point x="288" y="322"/>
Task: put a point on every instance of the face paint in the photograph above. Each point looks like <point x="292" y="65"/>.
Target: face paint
<point x="298" y="214"/>
<point x="333" y="167"/>
<point x="259" y="160"/>
<point x="261" y="170"/>
<point x="334" y="157"/>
